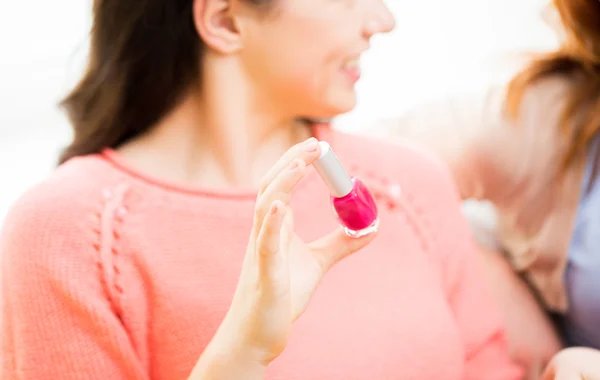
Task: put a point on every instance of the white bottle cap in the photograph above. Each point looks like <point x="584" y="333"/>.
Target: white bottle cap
<point x="333" y="173"/>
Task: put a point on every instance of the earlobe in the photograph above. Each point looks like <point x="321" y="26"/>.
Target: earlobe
<point x="216" y="25"/>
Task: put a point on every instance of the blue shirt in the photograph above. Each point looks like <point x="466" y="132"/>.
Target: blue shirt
<point x="582" y="321"/>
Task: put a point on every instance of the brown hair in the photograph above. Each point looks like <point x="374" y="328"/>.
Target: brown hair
<point x="577" y="59"/>
<point x="144" y="56"/>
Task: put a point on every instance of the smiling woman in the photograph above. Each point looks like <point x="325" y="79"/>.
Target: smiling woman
<point x="39" y="63"/>
<point x="532" y="148"/>
<point x="185" y="236"/>
<point x="318" y="82"/>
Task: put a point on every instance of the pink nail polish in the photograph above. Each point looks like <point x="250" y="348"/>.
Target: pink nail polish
<point x="352" y="202"/>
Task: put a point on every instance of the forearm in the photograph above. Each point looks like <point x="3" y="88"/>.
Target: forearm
<point x="218" y="364"/>
<point x="225" y="358"/>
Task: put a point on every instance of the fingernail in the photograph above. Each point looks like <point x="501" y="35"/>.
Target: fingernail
<point x="311" y="146"/>
<point x="294" y="165"/>
<point x="274" y="208"/>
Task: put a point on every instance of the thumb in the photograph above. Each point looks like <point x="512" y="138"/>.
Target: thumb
<point x="332" y="248"/>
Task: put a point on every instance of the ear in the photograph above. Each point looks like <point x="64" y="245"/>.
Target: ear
<point x="216" y="25"/>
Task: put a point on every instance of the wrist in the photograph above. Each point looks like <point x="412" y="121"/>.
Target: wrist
<point x="229" y="356"/>
<point x="235" y="334"/>
<point x="219" y="362"/>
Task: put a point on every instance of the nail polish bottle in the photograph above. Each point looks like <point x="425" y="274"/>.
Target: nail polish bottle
<point x="352" y="202"/>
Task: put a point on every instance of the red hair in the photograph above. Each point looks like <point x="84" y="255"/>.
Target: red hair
<point x="578" y="59"/>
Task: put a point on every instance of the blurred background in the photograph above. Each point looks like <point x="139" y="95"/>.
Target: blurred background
<point x="438" y="47"/>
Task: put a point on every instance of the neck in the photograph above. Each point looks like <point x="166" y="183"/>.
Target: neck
<point x="224" y="136"/>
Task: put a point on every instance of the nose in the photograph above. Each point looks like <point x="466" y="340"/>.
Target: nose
<point x="379" y="19"/>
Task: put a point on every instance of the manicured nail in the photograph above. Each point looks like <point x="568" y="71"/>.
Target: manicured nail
<point x="295" y="165"/>
<point x="274" y="208"/>
<point x="311" y="146"/>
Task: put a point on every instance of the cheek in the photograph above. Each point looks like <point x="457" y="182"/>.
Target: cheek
<point x="308" y="76"/>
<point x="306" y="46"/>
<point x="301" y="61"/>
<point x="311" y="77"/>
<point x="297" y="80"/>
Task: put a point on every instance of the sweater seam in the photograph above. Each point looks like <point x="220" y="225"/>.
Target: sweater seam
<point x="109" y="217"/>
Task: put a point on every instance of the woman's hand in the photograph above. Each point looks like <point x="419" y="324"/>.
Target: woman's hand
<point x="280" y="271"/>
<point x="575" y="363"/>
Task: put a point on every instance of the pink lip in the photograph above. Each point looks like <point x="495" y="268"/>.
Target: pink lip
<point x="353" y="74"/>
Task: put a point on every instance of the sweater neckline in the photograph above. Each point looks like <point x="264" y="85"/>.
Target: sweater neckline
<point x="320" y="131"/>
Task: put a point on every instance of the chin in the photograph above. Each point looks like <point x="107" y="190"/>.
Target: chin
<point x="326" y="114"/>
<point x="329" y="106"/>
<point x="339" y="106"/>
<point x="344" y="101"/>
<point x="340" y="109"/>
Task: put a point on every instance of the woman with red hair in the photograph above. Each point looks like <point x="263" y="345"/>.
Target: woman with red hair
<point x="533" y="150"/>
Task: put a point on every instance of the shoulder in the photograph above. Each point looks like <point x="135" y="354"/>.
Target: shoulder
<point x="550" y="90"/>
<point x="418" y="170"/>
<point x="477" y="112"/>
<point x="70" y="190"/>
<point x="58" y="215"/>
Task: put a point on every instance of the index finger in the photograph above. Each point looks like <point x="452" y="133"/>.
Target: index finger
<point x="307" y="151"/>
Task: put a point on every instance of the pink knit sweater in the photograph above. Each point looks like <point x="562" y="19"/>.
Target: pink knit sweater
<point x="110" y="274"/>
